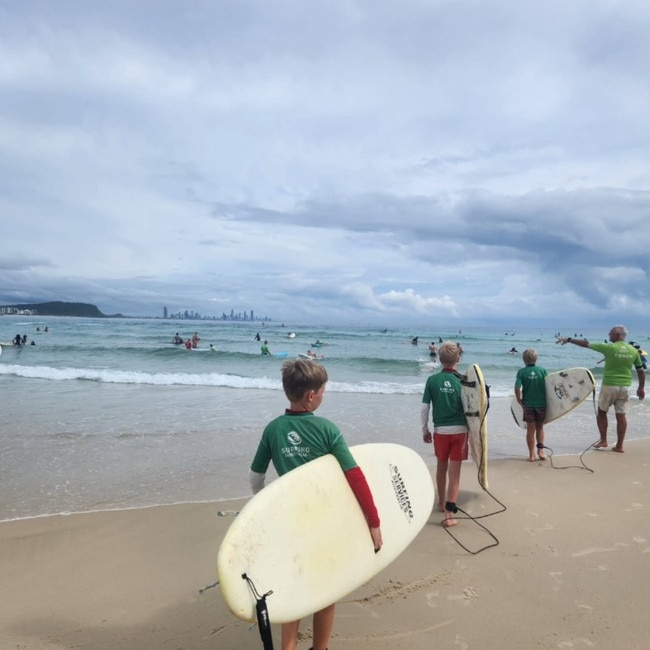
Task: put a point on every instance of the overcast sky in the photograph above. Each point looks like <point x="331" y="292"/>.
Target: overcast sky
<point x="366" y="161"/>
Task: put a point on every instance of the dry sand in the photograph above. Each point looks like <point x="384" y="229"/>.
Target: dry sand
<point x="571" y="570"/>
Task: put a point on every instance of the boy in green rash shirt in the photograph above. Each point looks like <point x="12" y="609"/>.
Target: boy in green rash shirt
<point x="450" y="438"/>
<point x="294" y="439"/>
<point x="620" y="357"/>
<point x="530" y="391"/>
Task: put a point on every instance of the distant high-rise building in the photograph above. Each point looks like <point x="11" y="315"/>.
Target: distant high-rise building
<point x="164" y="312"/>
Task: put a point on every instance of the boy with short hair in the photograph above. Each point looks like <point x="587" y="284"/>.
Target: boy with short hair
<point x="530" y="391"/>
<point x="296" y="438"/>
<point x="442" y="392"/>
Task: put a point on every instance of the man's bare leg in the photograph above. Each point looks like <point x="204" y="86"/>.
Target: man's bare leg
<point x="621" y="429"/>
<point x="601" y="421"/>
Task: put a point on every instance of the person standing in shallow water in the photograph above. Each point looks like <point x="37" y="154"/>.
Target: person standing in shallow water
<point x="620" y="357"/>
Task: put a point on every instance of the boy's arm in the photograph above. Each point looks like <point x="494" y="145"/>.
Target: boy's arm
<point x="359" y="486"/>
<point x="424" y="422"/>
<point x="424" y="418"/>
<point x="256" y="480"/>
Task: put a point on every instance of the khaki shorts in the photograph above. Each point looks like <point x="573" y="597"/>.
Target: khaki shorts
<point x="616" y="396"/>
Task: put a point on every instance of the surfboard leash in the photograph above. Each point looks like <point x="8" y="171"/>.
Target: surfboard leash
<point x="469" y="517"/>
<point x="263" y="622"/>
<point x="582" y="462"/>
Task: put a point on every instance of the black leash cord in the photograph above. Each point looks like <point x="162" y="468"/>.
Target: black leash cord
<point x="582" y="463"/>
<point x="262" y="612"/>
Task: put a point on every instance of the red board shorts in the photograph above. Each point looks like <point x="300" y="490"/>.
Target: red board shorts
<point x="451" y="446"/>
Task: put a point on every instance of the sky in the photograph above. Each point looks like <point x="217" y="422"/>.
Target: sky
<point x="360" y="161"/>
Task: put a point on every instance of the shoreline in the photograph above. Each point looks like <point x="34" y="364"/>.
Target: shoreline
<point x="570" y="547"/>
<point x="428" y="458"/>
<point x="110" y="469"/>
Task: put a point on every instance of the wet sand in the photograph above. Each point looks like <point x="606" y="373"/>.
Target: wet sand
<point x="569" y="570"/>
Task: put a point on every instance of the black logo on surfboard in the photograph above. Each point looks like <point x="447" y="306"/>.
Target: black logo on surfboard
<point x="401" y="493"/>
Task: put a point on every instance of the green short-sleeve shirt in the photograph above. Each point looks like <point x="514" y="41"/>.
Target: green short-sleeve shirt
<point x="531" y="380"/>
<point x="442" y="390"/>
<point x="294" y="439"/>
<point x="619" y="359"/>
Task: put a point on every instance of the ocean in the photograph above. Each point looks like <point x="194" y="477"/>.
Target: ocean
<point x="103" y="414"/>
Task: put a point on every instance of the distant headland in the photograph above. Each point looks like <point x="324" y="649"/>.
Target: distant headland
<point x="57" y="308"/>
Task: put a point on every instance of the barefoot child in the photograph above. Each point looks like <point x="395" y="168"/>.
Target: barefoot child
<point x="530" y="391"/>
<point x="450" y="438"/>
<point x="294" y="439"/>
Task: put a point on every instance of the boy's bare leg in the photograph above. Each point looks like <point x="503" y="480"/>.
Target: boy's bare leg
<point x="290" y="635"/>
<point x="539" y="432"/>
<point x="441" y="483"/>
<point x="453" y="489"/>
<point x="530" y="441"/>
<point x="323" y="624"/>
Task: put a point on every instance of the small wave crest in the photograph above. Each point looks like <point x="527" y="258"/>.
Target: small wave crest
<point x="194" y="379"/>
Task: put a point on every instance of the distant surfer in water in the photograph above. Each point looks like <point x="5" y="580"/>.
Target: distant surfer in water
<point x="442" y="393"/>
<point x="295" y="438"/>
<point x="265" y="349"/>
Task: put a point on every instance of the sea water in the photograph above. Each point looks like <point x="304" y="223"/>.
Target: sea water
<point x="109" y="414"/>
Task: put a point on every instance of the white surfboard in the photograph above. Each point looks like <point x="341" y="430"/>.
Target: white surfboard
<point x="565" y="390"/>
<point x="305" y="538"/>
<point x="475" y="403"/>
<point x="311" y="357"/>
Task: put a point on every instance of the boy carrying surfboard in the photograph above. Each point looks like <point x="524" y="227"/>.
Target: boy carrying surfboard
<point x="295" y="438"/>
<point x="530" y="391"/>
<point x="442" y="392"/>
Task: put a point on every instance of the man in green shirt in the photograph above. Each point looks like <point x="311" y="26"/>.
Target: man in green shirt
<point x="617" y="379"/>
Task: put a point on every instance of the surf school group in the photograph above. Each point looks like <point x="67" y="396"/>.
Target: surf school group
<point x="453" y="414"/>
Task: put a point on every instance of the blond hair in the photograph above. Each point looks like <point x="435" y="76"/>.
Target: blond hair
<point x="529" y="356"/>
<point x="449" y="353"/>
<point x="300" y="376"/>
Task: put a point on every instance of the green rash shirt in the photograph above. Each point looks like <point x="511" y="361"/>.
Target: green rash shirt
<point x="294" y="439"/>
<point x="531" y="380"/>
<point x="442" y="390"/>
<point x="619" y="359"/>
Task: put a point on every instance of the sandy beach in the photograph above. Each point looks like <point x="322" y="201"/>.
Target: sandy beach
<point x="570" y="570"/>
